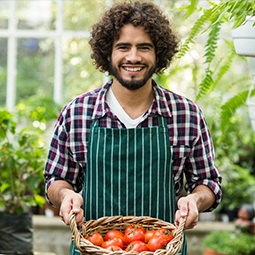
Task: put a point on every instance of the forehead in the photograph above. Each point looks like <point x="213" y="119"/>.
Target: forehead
<point x="133" y="35"/>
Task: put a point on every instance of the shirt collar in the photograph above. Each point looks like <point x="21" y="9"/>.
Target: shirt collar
<point x="159" y="106"/>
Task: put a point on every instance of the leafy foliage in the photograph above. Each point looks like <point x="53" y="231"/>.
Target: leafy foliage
<point x="21" y="162"/>
<point x="235" y="182"/>
<point x="211" y="20"/>
<point x="230" y="243"/>
<point x="39" y="108"/>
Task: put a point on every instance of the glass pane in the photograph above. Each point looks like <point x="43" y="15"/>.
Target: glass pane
<point x="3" y="70"/>
<point x="80" y="75"/>
<point x="81" y="15"/>
<point x="35" y="15"/>
<point x="35" y="68"/>
<point x="4" y="13"/>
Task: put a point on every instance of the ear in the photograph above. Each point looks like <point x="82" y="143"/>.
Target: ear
<point x="109" y="58"/>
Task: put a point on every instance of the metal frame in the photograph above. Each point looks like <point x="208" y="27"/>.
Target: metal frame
<point x="12" y="33"/>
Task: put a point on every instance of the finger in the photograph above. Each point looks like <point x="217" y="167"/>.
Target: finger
<point x="177" y="218"/>
<point x="64" y="218"/>
<point x="79" y="218"/>
<point x="183" y="207"/>
<point x="77" y="203"/>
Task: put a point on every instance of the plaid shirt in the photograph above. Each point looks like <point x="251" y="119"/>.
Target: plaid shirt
<point x="189" y="136"/>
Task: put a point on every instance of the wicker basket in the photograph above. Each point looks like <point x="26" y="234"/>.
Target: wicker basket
<point x="104" y="224"/>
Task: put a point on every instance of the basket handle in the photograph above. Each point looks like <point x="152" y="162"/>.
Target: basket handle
<point x="180" y="228"/>
<point x="74" y="229"/>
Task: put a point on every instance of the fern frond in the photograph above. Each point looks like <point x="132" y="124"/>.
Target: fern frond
<point x="206" y="85"/>
<point x="211" y="44"/>
<point x="195" y="30"/>
<point x="230" y="107"/>
<point x="191" y="8"/>
<point x="226" y="65"/>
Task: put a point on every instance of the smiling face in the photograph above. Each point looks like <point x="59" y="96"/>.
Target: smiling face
<point x="133" y="59"/>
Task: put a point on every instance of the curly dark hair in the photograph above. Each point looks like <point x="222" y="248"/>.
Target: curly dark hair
<point x="144" y="14"/>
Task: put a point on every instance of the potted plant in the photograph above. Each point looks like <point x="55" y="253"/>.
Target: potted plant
<point x="228" y="243"/>
<point x="211" y="20"/>
<point x="21" y="162"/>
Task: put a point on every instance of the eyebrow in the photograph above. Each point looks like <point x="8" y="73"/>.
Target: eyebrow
<point x="129" y="44"/>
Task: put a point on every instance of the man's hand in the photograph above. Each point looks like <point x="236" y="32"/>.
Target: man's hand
<point x="62" y="195"/>
<point x="72" y="201"/>
<point x="198" y="201"/>
<point x="187" y="207"/>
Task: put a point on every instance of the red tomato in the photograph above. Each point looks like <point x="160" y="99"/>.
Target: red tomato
<point x="95" y="238"/>
<point x="113" y="233"/>
<point x="114" y="241"/>
<point x="114" y="248"/>
<point x="137" y="246"/>
<point x="164" y="232"/>
<point x="134" y="235"/>
<point x="157" y="242"/>
<point x="148" y="235"/>
<point x="134" y="226"/>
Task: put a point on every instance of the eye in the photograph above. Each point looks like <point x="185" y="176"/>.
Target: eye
<point x="123" y="47"/>
<point x="145" y="48"/>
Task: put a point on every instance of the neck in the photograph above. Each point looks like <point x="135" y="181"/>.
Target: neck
<point x="134" y="102"/>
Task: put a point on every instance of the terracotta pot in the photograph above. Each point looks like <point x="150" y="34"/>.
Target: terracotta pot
<point x="208" y="251"/>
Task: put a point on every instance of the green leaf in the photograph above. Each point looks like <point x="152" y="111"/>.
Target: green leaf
<point x="33" y="182"/>
<point x="191" y="8"/>
<point x="4" y="186"/>
<point x="39" y="200"/>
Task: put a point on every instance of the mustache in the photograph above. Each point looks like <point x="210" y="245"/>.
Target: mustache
<point x="133" y="64"/>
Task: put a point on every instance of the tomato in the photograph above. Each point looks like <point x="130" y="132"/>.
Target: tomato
<point x="134" y="226"/>
<point x="113" y="233"/>
<point x="138" y="246"/>
<point x="114" y="248"/>
<point x="95" y="238"/>
<point x="157" y="242"/>
<point x="148" y="235"/>
<point x="136" y="234"/>
<point x="164" y="232"/>
<point x="114" y="241"/>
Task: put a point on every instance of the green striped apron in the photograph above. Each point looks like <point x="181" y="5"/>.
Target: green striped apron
<point x="128" y="172"/>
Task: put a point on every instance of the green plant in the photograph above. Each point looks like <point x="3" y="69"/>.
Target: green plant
<point x="211" y="20"/>
<point x="238" y="187"/>
<point x="21" y="162"/>
<point x="230" y="243"/>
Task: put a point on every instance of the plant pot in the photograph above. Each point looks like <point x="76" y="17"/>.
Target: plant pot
<point x="244" y="38"/>
<point x="16" y="235"/>
<point x="208" y="251"/>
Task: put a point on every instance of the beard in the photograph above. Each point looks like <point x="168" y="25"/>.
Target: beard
<point x="131" y="84"/>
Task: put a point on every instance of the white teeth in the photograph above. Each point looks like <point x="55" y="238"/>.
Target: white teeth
<point x="134" y="69"/>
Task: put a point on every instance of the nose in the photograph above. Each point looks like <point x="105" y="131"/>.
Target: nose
<point x="133" y="55"/>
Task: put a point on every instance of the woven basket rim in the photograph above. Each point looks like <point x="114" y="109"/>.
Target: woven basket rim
<point x="104" y="224"/>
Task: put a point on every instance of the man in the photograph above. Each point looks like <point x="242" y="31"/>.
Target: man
<point x="128" y="144"/>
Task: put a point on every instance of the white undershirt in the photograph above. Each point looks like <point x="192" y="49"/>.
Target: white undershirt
<point x="119" y="111"/>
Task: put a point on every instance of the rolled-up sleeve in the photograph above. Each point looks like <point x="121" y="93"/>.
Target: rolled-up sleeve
<point x="200" y="166"/>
